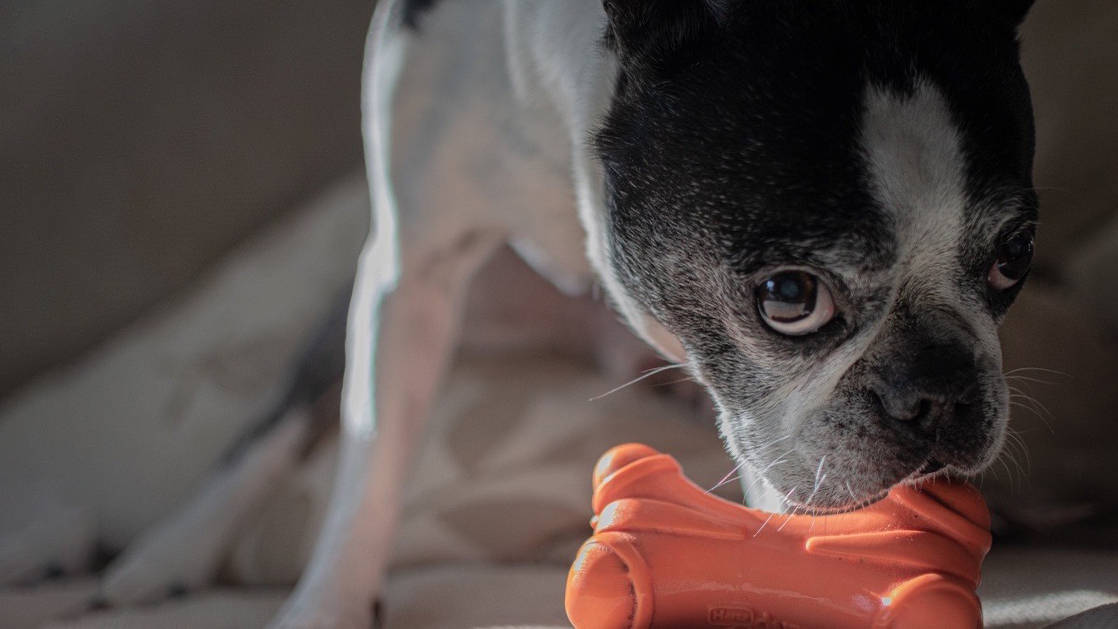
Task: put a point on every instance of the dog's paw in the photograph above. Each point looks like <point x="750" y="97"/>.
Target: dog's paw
<point x="180" y="555"/>
<point x="56" y="542"/>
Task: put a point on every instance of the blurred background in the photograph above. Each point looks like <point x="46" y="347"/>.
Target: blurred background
<point x="141" y="140"/>
<point x="181" y="204"/>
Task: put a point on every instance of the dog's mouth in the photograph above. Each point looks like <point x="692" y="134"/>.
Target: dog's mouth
<point x="930" y="469"/>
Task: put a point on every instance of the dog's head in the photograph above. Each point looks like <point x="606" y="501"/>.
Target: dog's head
<point x="827" y="208"/>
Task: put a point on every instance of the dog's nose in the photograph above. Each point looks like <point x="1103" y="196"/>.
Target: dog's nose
<point x="938" y="385"/>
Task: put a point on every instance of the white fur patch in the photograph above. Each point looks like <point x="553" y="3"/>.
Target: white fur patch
<point x="917" y="164"/>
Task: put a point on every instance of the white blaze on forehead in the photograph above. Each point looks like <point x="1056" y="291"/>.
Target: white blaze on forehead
<point x="916" y="167"/>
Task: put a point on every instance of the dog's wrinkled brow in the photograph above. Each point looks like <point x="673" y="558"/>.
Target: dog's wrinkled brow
<point x="841" y="257"/>
<point x="868" y="247"/>
<point x="996" y="212"/>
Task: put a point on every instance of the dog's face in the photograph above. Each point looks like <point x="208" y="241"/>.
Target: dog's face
<point x="829" y="206"/>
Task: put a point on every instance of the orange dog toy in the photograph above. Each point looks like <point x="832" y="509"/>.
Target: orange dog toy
<point x="667" y="554"/>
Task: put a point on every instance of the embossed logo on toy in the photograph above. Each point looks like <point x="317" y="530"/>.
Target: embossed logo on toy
<point x="745" y="618"/>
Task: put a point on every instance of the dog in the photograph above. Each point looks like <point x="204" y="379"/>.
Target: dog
<point x="823" y="210"/>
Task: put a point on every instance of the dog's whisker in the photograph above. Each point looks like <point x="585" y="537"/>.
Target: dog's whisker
<point x="1016" y="439"/>
<point x="773" y="514"/>
<point x="1037" y="413"/>
<point x="1054" y="372"/>
<point x="681" y="380"/>
<point x="1008" y="473"/>
<point x="850" y="491"/>
<point x="818" y="482"/>
<point x="1004" y="458"/>
<point x="1022" y="471"/>
<point x="1019" y="378"/>
<point x="761" y="475"/>
<point x="788" y="519"/>
<point x="1031" y="399"/>
<point x="818" y="471"/>
<point x="777" y="461"/>
<point x="647" y="374"/>
<point x="726" y="482"/>
<point x="1044" y="408"/>
<point x="993" y="471"/>
<point x="1017" y="394"/>
<point x="814" y="516"/>
<point x="1020" y="395"/>
<point x="814" y="490"/>
<point x="806" y="508"/>
<point x="773" y="443"/>
<point x="725" y="479"/>
<point x="1050" y="189"/>
<point x="765" y="523"/>
<point x="1024" y="399"/>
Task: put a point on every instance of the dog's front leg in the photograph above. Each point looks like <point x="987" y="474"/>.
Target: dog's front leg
<point x="399" y="338"/>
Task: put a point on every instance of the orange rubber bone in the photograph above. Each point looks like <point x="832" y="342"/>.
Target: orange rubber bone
<point x="667" y="554"/>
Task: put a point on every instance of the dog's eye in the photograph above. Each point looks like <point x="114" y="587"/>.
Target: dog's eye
<point x="1015" y="255"/>
<point x="795" y="303"/>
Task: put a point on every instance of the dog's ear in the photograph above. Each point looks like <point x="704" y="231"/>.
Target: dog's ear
<point x="640" y="28"/>
<point x="1012" y="11"/>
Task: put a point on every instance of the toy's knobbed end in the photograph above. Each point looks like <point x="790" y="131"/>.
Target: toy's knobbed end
<point x="931" y="601"/>
<point x="600" y="591"/>
<point x="618" y="457"/>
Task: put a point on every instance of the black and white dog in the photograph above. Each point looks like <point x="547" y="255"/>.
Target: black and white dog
<point x="823" y="209"/>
